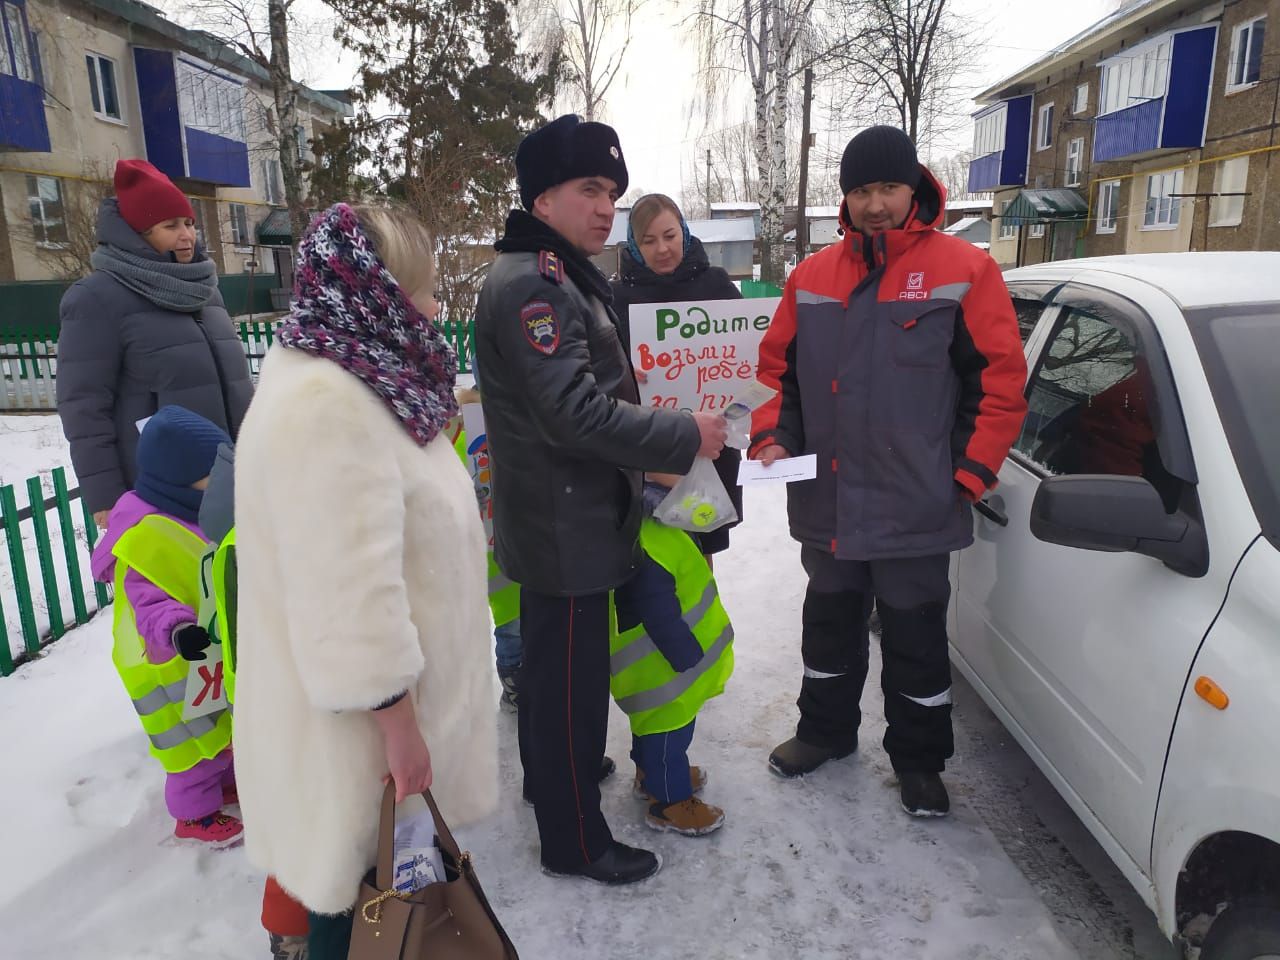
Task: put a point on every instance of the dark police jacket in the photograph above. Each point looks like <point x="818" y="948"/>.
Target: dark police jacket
<point x="567" y="439"/>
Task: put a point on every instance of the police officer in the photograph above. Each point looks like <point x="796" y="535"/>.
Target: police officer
<point x="569" y="444"/>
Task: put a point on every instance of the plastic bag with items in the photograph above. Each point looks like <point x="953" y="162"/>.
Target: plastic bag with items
<point x="699" y="503"/>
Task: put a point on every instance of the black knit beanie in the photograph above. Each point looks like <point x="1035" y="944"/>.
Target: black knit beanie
<point x="565" y="149"/>
<point x="879" y="155"/>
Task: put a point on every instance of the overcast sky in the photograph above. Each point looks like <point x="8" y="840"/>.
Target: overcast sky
<point x="654" y="102"/>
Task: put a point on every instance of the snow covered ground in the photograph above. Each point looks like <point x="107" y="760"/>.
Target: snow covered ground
<point x="32" y="445"/>
<point x="824" y="867"/>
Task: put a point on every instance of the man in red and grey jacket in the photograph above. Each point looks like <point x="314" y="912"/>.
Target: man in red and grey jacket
<point x="897" y="360"/>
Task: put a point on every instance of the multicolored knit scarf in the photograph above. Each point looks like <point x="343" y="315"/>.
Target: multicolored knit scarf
<point x="348" y="308"/>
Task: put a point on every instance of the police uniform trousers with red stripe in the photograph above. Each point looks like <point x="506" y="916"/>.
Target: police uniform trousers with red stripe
<point x="563" y="720"/>
<point x="911" y="597"/>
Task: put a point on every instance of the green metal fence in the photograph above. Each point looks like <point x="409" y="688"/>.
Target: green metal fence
<point x="45" y="589"/>
<point x="29" y="360"/>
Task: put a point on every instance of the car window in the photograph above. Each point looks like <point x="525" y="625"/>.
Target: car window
<point x="1091" y="406"/>
<point x="1029" y="313"/>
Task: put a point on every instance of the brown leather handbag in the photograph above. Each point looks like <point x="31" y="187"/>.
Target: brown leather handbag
<point x="442" y="921"/>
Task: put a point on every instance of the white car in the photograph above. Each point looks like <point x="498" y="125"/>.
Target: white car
<point x="1120" y="607"/>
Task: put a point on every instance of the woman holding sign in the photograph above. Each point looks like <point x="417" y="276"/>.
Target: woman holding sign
<point x="664" y="263"/>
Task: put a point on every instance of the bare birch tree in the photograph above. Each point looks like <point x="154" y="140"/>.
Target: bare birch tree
<point x="908" y="55"/>
<point x="590" y="37"/>
<point x="775" y="41"/>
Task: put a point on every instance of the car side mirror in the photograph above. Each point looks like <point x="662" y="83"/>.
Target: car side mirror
<point x="1118" y="515"/>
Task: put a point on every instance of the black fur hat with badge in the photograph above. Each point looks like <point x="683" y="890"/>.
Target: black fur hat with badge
<point x="565" y="149"/>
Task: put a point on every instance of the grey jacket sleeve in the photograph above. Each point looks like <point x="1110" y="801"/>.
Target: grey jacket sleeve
<point x="217" y="506"/>
<point x="565" y="400"/>
<point x="89" y="357"/>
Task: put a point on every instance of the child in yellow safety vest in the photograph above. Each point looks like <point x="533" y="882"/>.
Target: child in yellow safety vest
<point x="153" y="552"/>
<point x="670" y="650"/>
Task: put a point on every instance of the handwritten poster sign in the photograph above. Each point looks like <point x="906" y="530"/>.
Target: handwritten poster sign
<point x="698" y="355"/>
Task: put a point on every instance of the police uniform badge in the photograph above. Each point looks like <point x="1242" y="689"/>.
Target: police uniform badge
<point x="550" y="267"/>
<point x="541" y="326"/>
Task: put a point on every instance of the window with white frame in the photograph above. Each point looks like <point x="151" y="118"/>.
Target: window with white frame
<point x="1163" y="206"/>
<point x="1044" y="129"/>
<point x="210" y="101"/>
<point x="272" y="190"/>
<point x="1108" y="206"/>
<point x="21" y="65"/>
<point x="239" y="224"/>
<point x="103" y="90"/>
<point x="48" y="221"/>
<point x="1081" y="102"/>
<point x="1036" y="232"/>
<point x="1075" y="161"/>
<point x="989" y="131"/>
<point x="1135" y="76"/>
<point x="1245" y="66"/>
<point x="1232" y="177"/>
<point x="1007" y="230"/>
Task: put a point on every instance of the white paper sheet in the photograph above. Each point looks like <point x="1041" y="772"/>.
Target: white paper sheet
<point x="787" y="470"/>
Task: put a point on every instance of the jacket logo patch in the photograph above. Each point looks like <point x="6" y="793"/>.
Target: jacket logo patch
<point x="915" y="287"/>
<point x="541" y="326"/>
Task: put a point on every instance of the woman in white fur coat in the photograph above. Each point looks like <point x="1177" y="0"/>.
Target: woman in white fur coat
<point x="362" y="621"/>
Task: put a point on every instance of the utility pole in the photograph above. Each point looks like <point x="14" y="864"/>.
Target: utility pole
<point x="802" y="219"/>
<point x="708" y="183"/>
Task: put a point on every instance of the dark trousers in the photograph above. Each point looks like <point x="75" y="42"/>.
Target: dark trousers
<point x="911" y="595"/>
<point x="664" y="759"/>
<point x="563" y="720"/>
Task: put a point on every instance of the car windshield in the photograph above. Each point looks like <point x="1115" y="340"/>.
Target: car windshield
<point x="1238" y="345"/>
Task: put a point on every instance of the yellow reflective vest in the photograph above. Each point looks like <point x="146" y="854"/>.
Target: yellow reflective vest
<point x="222" y="584"/>
<point x="173" y="558"/>
<point x="650" y="692"/>
<point x="504" y="596"/>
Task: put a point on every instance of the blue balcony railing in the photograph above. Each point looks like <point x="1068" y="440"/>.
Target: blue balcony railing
<point x="984" y="172"/>
<point x="22" y="122"/>
<point x="1127" y="132"/>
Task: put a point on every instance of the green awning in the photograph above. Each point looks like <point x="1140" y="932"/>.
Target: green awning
<point x="1045" y="206"/>
<point x="275" y="230"/>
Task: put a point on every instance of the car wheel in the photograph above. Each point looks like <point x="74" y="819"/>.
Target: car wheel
<point x="1244" y="932"/>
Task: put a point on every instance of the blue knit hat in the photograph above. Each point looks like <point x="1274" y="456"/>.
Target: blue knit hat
<point x="176" y="448"/>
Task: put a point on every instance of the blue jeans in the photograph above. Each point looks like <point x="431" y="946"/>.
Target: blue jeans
<point x="508" y="648"/>
<point x="664" y="758"/>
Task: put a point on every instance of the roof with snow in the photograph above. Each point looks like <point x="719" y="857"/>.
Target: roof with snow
<point x="708" y="231"/>
<point x="970" y="204"/>
<point x="831" y="212"/>
<point x="735" y="205"/>
<point x="960" y="226"/>
<point x="1088" y="41"/>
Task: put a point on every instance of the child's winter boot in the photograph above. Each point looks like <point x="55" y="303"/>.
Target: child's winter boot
<point x="215" y="830"/>
<point x="691" y="817"/>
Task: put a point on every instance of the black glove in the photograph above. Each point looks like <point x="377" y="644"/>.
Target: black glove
<point x="191" y="641"/>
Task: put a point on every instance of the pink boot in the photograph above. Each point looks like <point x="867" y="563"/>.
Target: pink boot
<point x="216" y="830"/>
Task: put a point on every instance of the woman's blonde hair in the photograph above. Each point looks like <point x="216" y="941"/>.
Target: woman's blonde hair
<point x="648" y="208"/>
<point x="403" y="242"/>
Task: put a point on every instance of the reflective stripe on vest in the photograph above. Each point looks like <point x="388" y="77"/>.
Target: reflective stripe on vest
<point x="655" y="697"/>
<point x="170" y="556"/>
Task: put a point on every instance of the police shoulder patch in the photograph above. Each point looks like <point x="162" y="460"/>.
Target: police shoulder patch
<point x="550" y="267"/>
<point x="541" y="326"/>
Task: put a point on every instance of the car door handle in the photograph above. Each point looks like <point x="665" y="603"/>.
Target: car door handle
<point x="993" y="514"/>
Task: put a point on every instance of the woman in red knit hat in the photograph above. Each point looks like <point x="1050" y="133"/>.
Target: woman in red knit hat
<point x="147" y="328"/>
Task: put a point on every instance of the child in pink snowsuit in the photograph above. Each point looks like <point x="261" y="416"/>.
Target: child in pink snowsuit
<point x="176" y="452"/>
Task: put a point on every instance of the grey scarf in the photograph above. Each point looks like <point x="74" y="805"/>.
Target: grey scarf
<point x="183" y="287"/>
